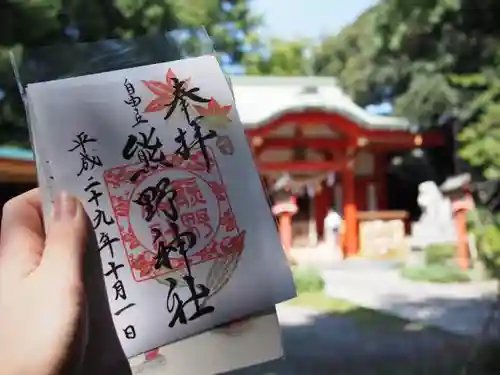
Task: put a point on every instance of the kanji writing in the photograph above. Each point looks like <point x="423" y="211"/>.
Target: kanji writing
<point x="95" y="194"/>
<point x="120" y="292"/>
<point x="134" y="101"/>
<point x="129" y="332"/>
<point x="159" y="197"/>
<point x="181" y="243"/>
<point x="188" y="193"/>
<point x="173" y="94"/>
<point x="152" y="198"/>
<point x="120" y="311"/>
<point x="105" y="241"/>
<point x="147" y="148"/>
<point x="88" y="161"/>
<point x="100" y="218"/>
<point x="183" y="96"/>
<point x="113" y="269"/>
<point x="176" y="305"/>
<point x="184" y="149"/>
<point x="193" y="220"/>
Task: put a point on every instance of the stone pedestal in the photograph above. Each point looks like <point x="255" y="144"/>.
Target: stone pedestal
<point x="382" y="234"/>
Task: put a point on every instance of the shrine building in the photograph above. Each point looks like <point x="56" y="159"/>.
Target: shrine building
<point x="334" y="152"/>
<point x="310" y="130"/>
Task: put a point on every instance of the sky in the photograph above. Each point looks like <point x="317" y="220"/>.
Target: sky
<point x="291" y="19"/>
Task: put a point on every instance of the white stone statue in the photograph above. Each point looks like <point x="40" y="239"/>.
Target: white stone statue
<point x="434" y="206"/>
<point x="436" y="223"/>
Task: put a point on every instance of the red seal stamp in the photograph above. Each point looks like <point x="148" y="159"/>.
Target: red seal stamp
<point x="202" y="204"/>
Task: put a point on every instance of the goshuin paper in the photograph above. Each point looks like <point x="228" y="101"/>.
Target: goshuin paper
<point x="159" y="158"/>
<point x="242" y="344"/>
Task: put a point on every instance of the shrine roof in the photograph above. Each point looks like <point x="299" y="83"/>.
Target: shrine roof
<point x="16" y="153"/>
<point x="260" y="99"/>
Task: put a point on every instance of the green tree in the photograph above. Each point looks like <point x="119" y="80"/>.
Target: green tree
<point x="277" y="57"/>
<point x="405" y="50"/>
<point x="480" y="138"/>
<point x="31" y="23"/>
<point x="228" y="22"/>
<point x="349" y="56"/>
<point x="41" y="16"/>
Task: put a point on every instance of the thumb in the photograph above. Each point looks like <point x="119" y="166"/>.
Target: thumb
<point x="66" y="239"/>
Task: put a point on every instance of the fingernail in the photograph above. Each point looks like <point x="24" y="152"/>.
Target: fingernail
<point x="65" y="207"/>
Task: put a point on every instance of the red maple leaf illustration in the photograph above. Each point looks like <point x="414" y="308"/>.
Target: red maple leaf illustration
<point x="214" y="113"/>
<point x="164" y="91"/>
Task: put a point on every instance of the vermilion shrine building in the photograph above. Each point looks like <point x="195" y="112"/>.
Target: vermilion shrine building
<point x="305" y="127"/>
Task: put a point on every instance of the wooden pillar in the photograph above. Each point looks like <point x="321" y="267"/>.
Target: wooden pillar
<point x="463" y="239"/>
<point x="285" y="229"/>
<point x="284" y="209"/>
<point x="350" y="211"/>
<point x="462" y="203"/>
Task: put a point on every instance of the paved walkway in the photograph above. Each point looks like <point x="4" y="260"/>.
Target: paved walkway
<point x="457" y="308"/>
<point x="318" y="344"/>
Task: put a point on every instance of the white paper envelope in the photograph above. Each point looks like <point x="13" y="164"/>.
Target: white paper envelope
<point x="160" y="159"/>
<point x="243" y="344"/>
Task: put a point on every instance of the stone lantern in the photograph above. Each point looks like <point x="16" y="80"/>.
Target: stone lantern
<point x="283" y="208"/>
<point x="457" y="189"/>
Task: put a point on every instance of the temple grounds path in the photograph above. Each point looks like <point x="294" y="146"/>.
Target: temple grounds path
<point x="368" y="321"/>
<point x="323" y="336"/>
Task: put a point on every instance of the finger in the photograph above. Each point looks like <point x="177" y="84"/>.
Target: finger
<point x="22" y="234"/>
<point x="66" y="239"/>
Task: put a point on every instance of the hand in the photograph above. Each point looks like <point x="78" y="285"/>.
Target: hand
<point x="41" y="289"/>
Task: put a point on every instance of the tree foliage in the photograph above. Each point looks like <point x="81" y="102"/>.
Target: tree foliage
<point x="349" y="57"/>
<point x="405" y="50"/>
<point x="480" y="137"/>
<point x="429" y="59"/>
<point x="32" y="23"/>
<point x="277" y="57"/>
